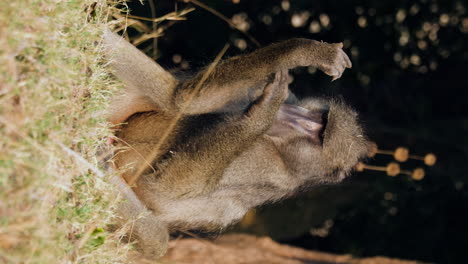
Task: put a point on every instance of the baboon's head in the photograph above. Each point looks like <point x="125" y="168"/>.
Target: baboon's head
<point x="320" y="139"/>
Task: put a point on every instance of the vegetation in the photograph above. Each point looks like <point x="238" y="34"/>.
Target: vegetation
<point x="54" y="88"/>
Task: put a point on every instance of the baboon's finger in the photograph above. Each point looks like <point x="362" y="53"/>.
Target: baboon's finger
<point x="349" y="64"/>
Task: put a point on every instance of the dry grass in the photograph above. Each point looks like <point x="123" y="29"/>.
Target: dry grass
<point x="55" y="200"/>
<point x="54" y="204"/>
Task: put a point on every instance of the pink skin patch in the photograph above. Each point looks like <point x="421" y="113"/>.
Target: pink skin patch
<point x="296" y="119"/>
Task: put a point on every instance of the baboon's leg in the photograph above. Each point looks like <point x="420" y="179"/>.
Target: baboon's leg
<point x="144" y="79"/>
<point x="150" y="232"/>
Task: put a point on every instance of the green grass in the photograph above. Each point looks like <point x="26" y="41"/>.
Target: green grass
<point x="54" y="205"/>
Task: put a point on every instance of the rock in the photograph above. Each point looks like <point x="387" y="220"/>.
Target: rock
<point x="246" y="249"/>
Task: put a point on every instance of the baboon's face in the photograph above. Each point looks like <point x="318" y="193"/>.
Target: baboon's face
<point x="320" y="138"/>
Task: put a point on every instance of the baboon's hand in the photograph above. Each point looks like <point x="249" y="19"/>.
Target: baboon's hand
<point x="334" y="61"/>
<point x="328" y="57"/>
<point x="261" y="114"/>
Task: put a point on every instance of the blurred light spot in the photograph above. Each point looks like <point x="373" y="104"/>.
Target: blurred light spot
<point x="393" y="210"/>
<point x="454" y="20"/>
<point x="400" y="15"/>
<point x="320" y="232"/>
<point x="311" y="70"/>
<point x="324" y="20"/>
<point x="236" y="1"/>
<point x="433" y="35"/>
<point x="285" y="5"/>
<point x="388" y="196"/>
<point x="422" y="69"/>
<point x="460" y="8"/>
<point x="434" y="8"/>
<point x="420" y="34"/>
<point x="328" y="223"/>
<point x="372" y="11"/>
<point x="404" y="38"/>
<point x="176" y="58"/>
<point x="346" y="43"/>
<point x="267" y="19"/>
<point x="240" y="44"/>
<point x="324" y="230"/>
<point x="422" y="45"/>
<point x="464" y="25"/>
<point x="362" y="22"/>
<point x="184" y="65"/>
<point x="444" y="19"/>
<point x="397" y="57"/>
<point x="359" y="10"/>
<point x="404" y="63"/>
<point x="276" y="10"/>
<point x="459" y="185"/>
<point x="300" y="19"/>
<point x="415" y="59"/>
<point x="414" y="9"/>
<point x="426" y="26"/>
<point x="433" y="65"/>
<point x="364" y="79"/>
<point x="354" y="52"/>
<point x="240" y="21"/>
<point x="314" y="27"/>
<point x="444" y="53"/>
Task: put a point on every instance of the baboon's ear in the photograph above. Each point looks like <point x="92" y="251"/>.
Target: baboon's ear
<point x="142" y="76"/>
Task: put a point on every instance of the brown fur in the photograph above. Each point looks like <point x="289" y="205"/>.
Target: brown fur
<point x="235" y="147"/>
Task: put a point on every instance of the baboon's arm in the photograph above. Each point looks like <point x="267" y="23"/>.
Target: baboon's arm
<point x="239" y="80"/>
<point x="232" y="86"/>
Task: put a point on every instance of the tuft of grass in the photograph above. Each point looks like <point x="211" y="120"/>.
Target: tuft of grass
<point x="54" y="201"/>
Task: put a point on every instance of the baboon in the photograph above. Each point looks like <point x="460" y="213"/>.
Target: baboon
<point x="241" y="141"/>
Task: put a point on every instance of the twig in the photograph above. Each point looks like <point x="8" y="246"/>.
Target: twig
<point x="176" y="15"/>
<point x="154" y="27"/>
<point x="138" y="153"/>
<point x="224" y="18"/>
<point x="81" y="160"/>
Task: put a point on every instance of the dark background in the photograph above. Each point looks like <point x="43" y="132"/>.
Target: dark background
<point x="409" y="83"/>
